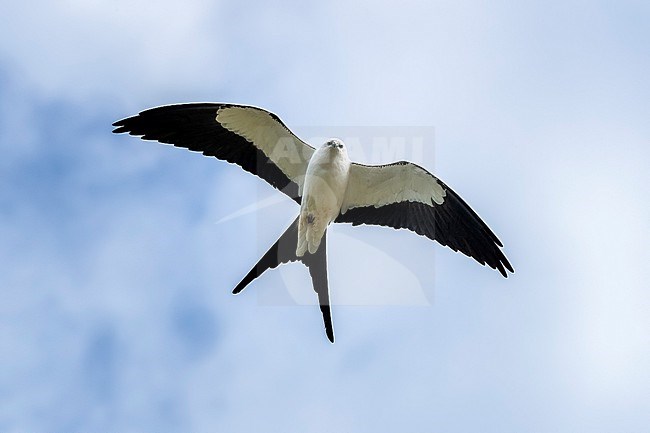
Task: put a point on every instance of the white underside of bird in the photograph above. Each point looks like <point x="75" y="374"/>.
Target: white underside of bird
<point x="325" y="184"/>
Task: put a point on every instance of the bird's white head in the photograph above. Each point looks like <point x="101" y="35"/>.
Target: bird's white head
<point x="333" y="150"/>
<point x="335" y="144"/>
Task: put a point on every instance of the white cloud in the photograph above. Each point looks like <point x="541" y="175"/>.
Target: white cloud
<point x="79" y="50"/>
<point x="604" y="223"/>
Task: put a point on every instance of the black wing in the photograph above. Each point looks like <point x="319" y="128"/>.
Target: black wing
<point x="242" y="135"/>
<point x="452" y="223"/>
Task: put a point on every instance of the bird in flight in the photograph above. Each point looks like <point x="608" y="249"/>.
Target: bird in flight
<point x="328" y="187"/>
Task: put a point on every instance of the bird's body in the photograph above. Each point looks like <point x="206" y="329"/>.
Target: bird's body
<point x="327" y="185"/>
<point x="326" y="181"/>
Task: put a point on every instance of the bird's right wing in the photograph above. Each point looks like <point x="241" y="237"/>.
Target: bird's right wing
<point x="250" y="137"/>
<point x="405" y="195"/>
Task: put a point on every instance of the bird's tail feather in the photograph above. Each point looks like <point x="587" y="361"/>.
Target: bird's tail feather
<point x="284" y="251"/>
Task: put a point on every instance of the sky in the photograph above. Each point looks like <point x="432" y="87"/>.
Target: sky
<point x="118" y="256"/>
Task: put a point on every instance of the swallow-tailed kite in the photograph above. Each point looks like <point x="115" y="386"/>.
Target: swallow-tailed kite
<point x="324" y="182"/>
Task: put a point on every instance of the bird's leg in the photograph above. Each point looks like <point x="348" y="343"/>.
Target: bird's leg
<point x="301" y="247"/>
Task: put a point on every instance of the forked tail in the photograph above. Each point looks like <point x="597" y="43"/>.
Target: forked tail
<point x="284" y="251"/>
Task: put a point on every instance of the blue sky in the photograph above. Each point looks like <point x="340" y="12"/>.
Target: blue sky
<point x="116" y="263"/>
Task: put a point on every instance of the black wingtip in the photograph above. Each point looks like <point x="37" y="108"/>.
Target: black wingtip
<point x="504" y="267"/>
<point x="505" y="264"/>
<point x="120" y="126"/>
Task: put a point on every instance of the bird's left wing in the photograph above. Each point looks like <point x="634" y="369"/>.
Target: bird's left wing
<point x="250" y="137"/>
<point x="405" y="195"/>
